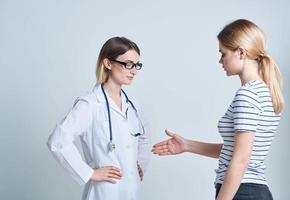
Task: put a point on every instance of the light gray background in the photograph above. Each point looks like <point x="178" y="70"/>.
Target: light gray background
<point x="48" y="51"/>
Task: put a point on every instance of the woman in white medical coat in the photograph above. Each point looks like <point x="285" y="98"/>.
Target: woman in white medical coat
<point x="108" y="122"/>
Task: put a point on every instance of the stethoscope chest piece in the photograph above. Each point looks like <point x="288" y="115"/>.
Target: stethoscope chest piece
<point x="111" y="146"/>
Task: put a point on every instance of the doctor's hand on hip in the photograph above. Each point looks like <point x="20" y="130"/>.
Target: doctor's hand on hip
<point x="109" y="174"/>
<point x="175" y="145"/>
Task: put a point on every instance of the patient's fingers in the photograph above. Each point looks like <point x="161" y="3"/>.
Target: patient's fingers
<point x="164" y="153"/>
<point x="160" y="149"/>
<point x="161" y="143"/>
<point x="160" y="146"/>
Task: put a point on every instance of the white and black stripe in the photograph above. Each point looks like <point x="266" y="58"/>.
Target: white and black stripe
<point x="251" y="110"/>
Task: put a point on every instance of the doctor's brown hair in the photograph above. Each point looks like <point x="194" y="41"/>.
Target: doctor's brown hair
<point x="112" y="48"/>
<point x="245" y="34"/>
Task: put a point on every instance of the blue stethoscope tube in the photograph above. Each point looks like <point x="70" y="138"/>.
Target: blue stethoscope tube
<point x="111" y="144"/>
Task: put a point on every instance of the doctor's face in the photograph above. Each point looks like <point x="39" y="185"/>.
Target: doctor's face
<point x="230" y="60"/>
<point x="123" y="68"/>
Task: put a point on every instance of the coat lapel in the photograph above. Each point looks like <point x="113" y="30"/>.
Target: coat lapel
<point x="113" y="107"/>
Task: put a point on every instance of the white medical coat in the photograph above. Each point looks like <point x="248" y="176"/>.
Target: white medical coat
<point x="88" y="119"/>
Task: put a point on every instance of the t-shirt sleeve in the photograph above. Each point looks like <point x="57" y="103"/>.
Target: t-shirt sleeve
<point x="246" y="110"/>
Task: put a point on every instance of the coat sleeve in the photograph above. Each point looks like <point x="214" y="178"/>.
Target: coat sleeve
<point x="61" y="141"/>
<point x="144" y="152"/>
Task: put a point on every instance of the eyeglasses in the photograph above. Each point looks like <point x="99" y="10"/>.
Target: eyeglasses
<point x="129" y="65"/>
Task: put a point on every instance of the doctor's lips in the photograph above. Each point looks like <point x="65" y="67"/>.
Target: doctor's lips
<point x="130" y="77"/>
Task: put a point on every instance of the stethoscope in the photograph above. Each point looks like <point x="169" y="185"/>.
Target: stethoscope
<point x="111" y="145"/>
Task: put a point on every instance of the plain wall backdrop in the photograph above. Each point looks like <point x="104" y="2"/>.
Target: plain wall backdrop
<point x="48" y="51"/>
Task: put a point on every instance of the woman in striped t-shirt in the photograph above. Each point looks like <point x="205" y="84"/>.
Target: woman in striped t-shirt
<point x="250" y="123"/>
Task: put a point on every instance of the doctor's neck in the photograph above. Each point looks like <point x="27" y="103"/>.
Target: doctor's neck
<point x="113" y="88"/>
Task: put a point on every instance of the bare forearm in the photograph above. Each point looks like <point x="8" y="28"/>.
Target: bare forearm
<point x="232" y="181"/>
<point x="204" y="149"/>
<point x="236" y="169"/>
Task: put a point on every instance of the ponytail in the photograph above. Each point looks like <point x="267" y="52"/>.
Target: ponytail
<point x="271" y="75"/>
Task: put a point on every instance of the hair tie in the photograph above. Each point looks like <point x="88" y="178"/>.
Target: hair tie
<point x="260" y="57"/>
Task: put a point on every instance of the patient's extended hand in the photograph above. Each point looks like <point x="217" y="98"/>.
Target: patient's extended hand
<point x="172" y="146"/>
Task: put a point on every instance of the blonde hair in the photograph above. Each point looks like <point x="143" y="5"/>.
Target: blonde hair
<point x="245" y="34"/>
<point x="111" y="50"/>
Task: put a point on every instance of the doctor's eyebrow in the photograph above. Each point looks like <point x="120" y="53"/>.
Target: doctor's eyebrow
<point x="131" y="61"/>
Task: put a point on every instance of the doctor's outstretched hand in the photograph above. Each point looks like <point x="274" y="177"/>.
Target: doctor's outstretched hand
<point x="109" y="174"/>
<point x="175" y="145"/>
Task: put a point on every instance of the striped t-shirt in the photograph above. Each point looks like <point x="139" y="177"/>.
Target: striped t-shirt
<point x="251" y="110"/>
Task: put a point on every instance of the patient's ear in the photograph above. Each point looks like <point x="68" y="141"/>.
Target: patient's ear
<point x="242" y="53"/>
